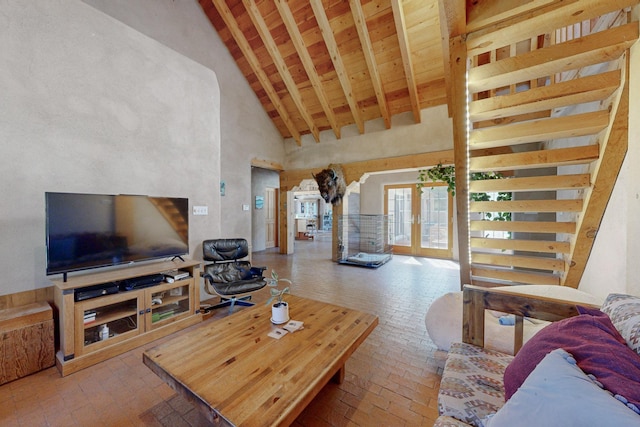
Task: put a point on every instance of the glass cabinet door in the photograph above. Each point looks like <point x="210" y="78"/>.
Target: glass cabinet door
<point x="168" y="302"/>
<point x="106" y="320"/>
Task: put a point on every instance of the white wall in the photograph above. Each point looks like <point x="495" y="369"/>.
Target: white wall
<point x="433" y="133"/>
<point x="91" y="105"/>
<point x="613" y="265"/>
<point x="246" y="130"/>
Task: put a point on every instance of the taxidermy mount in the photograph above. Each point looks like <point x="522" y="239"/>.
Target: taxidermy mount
<point x="331" y="184"/>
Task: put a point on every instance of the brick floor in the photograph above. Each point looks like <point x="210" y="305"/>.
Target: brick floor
<point x="391" y="380"/>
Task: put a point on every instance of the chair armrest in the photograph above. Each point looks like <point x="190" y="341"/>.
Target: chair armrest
<point x="477" y="299"/>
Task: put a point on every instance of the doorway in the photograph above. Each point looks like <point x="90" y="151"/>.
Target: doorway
<point x="420" y="224"/>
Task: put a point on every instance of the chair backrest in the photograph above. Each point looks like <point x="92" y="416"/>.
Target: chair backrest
<point x="221" y="250"/>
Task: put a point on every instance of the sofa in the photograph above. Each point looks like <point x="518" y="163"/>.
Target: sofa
<point x="582" y="369"/>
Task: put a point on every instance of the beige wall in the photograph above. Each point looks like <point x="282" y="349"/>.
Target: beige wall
<point x="433" y="133"/>
<point x="91" y="105"/>
<point x="246" y="131"/>
<point x="613" y="265"/>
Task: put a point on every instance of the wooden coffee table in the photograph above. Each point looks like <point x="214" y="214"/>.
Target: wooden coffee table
<point x="237" y="375"/>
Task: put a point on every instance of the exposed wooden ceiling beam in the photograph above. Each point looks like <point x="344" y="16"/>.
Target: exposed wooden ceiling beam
<point x="307" y="62"/>
<point x="336" y="59"/>
<point x="354" y="171"/>
<point x="403" y="39"/>
<point x="592" y="49"/>
<point x="453" y="19"/>
<point x="256" y="67"/>
<point x="278" y="60"/>
<point x="372" y="66"/>
<point x="541" y="21"/>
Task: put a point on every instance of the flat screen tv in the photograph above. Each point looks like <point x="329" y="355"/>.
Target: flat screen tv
<point x="86" y="231"/>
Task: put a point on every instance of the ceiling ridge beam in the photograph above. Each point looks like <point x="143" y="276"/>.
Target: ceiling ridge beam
<point x="307" y="63"/>
<point x="253" y="61"/>
<point x="403" y="40"/>
<point x="336" y="59"/>
<point x="278" y="60"/>
<point x="372" y="66"/>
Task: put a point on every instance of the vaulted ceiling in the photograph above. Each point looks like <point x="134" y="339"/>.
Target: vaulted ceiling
<point x="321" y="65"/>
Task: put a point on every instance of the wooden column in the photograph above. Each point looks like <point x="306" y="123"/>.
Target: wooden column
<point x="458" y="71"/>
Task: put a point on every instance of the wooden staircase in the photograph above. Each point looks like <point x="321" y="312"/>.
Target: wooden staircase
<point x="558" y="101"/>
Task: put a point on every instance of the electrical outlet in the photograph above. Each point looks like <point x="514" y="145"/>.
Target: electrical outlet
<point x="201" y="210"/>
<point x="245" y="207"/>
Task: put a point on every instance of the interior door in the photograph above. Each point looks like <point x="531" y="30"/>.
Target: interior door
<point x="270" y="206"/>
<point x="420" y="224"/>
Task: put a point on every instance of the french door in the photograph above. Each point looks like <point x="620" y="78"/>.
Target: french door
<point x="420" y="224"/>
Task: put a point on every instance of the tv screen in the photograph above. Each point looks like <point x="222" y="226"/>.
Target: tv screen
<point x="95" y="230"/>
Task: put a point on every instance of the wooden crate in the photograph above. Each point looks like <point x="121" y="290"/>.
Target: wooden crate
<point x="26" y="340"/>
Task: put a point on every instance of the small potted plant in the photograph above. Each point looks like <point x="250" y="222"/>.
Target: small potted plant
<point x="280" y="308"/>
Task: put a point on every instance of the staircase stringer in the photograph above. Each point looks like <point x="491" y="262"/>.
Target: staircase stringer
<point x="613" y="149"/>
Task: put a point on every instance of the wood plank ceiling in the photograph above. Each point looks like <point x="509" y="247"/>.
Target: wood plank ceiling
<point x="325" y="64"/>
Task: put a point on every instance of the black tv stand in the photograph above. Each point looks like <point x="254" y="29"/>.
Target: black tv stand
<point x="179" y="257"/>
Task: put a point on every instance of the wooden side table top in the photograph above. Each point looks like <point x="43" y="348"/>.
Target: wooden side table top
<point x="238" y="375"/>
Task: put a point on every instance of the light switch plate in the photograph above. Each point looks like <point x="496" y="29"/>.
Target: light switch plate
<point x="201" y="210"/>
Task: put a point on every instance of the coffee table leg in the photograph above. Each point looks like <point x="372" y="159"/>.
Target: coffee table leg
<point x="338" y="378"/>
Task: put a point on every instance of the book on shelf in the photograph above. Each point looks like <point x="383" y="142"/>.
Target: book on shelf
<point x="89" y="316"/>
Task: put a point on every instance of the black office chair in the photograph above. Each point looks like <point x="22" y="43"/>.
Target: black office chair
<point x="227" y="275"/>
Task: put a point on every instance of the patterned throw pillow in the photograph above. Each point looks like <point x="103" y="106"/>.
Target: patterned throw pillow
<point x="559" y="393"/>
<point x="624" y="312"/>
